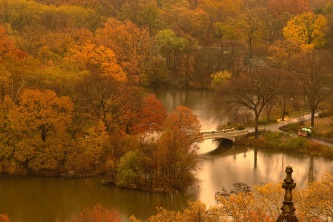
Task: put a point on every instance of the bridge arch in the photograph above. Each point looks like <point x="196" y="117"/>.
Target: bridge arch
<point x="227" y="135"/>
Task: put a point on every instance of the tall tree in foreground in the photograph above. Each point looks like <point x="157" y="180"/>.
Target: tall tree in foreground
<point x="314" y="73"/>
<point x="251" y="91"/>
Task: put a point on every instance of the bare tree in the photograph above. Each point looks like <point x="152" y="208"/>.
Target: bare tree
<point x="232" y="55"/>
<point x="314" y="72"/>
<point x="288" y="91"/>
<point x="252" y="91"/>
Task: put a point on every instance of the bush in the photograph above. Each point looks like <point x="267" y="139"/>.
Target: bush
<point x="95" y="214"/>
<point x="291" y="128"/>
<point x="129" y="170"/>
<point x="294" y="143"/>
<point x="325" y="113"/>
<point x="240" y="127"/>
<point x="4" y="218"/>
<point x="263" y="122"/>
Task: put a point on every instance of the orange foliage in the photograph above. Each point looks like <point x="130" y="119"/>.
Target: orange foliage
<point x="130" y="43"/>
<point x="148" y="116"/>
<point x="184" y="123"/>
<point x="42" y="111"/>
<point x="7" y="47"/>
<point x="97" y="59"/>
<point x="96" y="214"/>
<point x="282" y="7"/>
<point x="4" y="218"/>
<point x="39" y="123"/>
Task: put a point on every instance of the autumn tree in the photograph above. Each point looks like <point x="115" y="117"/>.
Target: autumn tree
<point x="155" y="72"/>
<point x="100" y="98"/>
<point x="15" y="67"/>
<point x="179" y="53"/>
<point x="122" y="110"/>
<point x="282" y="51"/>
<point x="86" y="154"/>
<point x="130" y="43"/>
<point x="315" y="76"/>
<point x="250" y="23"/>
<point x="252" y="91"/>
<point x="176" y="14"/>
<point x="130" y="171"/>
<point x="177" y="148"/>
<point x="286" y="8"/>
<point x="196" y="211"/>
<point x="97" y="60"/>
<point x="146" y="114"/>
<point x="259" y="203"/>
<point x="232" y="55"/>
<point x="41" y="119"/>
<point x="307" y="29"/>
<point x="289" y="90"/>
<point x="194" y="22"/>
<point x="205" y="64"/>
<point x="219" y="77"/>
<point x="42" y="112"/>
<point x="219" y="10"/>
<point x="8" y="137"/>
<point x="142" y="13"/>
<point x="317" y="192"/>
<point x="96" y="213"/>
<point x="4" y="218"/>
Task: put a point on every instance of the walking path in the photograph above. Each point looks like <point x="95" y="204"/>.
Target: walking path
<point x="276" y="126"/>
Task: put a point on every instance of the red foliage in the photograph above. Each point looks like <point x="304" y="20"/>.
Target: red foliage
<point x="294" y="7"/>
<point x="151" y="115"/>
<point x="96" y="214"/>
<point x="7" y="46"/>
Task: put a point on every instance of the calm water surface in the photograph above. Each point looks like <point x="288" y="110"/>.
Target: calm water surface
<point x="54" y="199"/>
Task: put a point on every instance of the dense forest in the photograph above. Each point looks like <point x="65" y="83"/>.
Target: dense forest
<point x="72" y="74"/>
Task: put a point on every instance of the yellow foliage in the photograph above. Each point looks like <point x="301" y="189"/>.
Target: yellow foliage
<point x="220" y="77"/>
<point x="313" y="204"/>
<point x="307" y="29"/>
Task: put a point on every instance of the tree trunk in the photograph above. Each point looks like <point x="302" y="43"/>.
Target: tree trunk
<point x="313" y="111"/>
<point x="283" y="108"/>
<point x="256" y="123"/>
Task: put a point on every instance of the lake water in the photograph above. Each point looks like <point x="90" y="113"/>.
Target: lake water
<point x="35" y="199"/>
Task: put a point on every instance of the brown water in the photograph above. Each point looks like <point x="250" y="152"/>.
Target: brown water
<point x="54" y="199"/>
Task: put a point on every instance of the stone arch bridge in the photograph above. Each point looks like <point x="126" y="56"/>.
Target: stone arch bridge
<point x="228" y="134"/>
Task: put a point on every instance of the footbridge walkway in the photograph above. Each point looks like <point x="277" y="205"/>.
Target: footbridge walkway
<point x="229" y="134"/>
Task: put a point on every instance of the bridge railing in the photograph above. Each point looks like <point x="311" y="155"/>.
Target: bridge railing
<point x="225" y="132"/>
<point x="219" y="131"/>
<point x="226" y="135"/>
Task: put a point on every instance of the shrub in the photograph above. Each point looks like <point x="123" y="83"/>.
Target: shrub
<point x="4" y="218"/>
<point x="96" y="214"/>
<point x="240" y="127"/>
<point x="325" y="113"/>
<point x="294" y="143"/>
<point x="292" y="127"/>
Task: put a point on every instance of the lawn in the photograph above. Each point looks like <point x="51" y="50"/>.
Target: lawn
<point x="323" y="128"/>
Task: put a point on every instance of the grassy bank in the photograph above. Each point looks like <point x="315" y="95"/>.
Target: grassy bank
<point x="283" y="141"/>
<point x="323" y="129"/>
